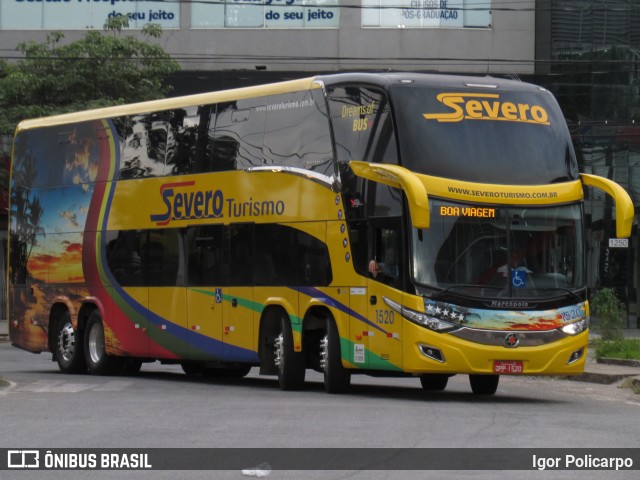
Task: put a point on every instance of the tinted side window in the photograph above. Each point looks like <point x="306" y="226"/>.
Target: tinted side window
<point x="287" y="256"/>
<point x="170" y="142"/>
<point x="387" y="251"/>
<point x="145" y="257"/>
<point x="161" y="258"/>
<point x="297" y="132"/>
<point x="207" y="256"/>
<point x="124" y="256"/>
<point x="239" y="134"/>
<point x="242" y="263"/>
<point x="362" y="125"/>
<point x="313" y="257"/>
<point x="144" y="146"/>
<point x="275" y="258"/>
<point x="190" y="148"/>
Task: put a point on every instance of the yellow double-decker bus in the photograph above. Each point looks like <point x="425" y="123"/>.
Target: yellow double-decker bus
<point x="385" y="224"/>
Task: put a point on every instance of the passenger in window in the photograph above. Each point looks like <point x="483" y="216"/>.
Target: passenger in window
<point x="386" y="271"/>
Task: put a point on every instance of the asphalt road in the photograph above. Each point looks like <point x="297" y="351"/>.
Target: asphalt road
<point x="163" y="408"/>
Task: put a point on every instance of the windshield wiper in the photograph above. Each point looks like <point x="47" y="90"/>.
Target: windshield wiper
<point x="563" y="289"/>
<point x="444" y="291"/>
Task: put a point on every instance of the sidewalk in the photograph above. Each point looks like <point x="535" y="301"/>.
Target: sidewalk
<point x="608" y="371"/>
<point x="605" y="372"/>
<point x="611" y="370"/>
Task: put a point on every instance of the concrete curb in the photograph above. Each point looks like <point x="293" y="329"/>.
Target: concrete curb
<point x="603" y="378"/>
<point x="607" y="371"/>
<point x="623" y="362"/>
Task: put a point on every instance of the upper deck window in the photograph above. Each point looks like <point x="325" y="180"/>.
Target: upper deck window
<point x="362" y="125"/>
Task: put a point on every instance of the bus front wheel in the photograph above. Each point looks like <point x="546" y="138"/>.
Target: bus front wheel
<point x="291" y="364"/>
<point x="434" y="382"/>
<point x="98" y="362"/>
<point x="69" y="347"/>
<point x="484" y="384"/>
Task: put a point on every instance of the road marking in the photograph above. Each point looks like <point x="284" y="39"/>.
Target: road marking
<point x="113" y="386"/>
<point x="57" y="386"/>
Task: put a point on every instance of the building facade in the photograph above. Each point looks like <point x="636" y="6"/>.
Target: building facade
<point x="304" y="35"/>
<point x="587" y="54"/>
<point x="585" y="51"/>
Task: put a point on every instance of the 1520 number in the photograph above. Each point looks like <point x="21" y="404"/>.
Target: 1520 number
<point x="384" y="317"/>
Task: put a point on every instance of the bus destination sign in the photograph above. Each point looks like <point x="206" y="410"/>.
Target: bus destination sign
<point x="476" y="212"/>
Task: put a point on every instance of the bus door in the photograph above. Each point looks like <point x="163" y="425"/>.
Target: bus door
<point x="385" y="281"/>
<point x="206" y="269"/>
<point x="206" y="313"/>
<point x="238" y="325"/>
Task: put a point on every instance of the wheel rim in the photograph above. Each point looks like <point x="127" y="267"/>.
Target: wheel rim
<point x="278" y="351"/>
<point x="96" y="343"/>
<point x="67" y="342"/>
<point x="324" y="352"/>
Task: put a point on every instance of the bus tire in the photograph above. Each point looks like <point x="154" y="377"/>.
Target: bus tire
<point x="434" y="382"/>
<point x="192" y="368"/>
<point x="69" y="346"/>
<point x="484" y="384"/>
<point x="291" y="364"/>
<point x="336" y="378"/>
<point x="98" y="362"/>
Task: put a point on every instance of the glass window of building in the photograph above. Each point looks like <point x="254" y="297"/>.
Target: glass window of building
<point x="426" y="13"/>
<point x="268" y="14"/>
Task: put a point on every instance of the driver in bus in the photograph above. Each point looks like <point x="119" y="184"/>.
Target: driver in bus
<point x="516" y="262"/>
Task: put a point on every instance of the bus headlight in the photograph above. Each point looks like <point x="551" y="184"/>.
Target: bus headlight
<point x="422" y="319"/>
<point x="576" y="327"/>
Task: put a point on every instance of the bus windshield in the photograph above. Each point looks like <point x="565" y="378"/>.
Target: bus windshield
<point x="493" y="136"/>
<point x="498" y="252"/>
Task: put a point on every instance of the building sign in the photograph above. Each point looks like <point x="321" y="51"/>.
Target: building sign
<point x="426" y="13"/>
<point x="85" y="14"/>
<point x="618" y="243"/>
<point x="265" y="14"/>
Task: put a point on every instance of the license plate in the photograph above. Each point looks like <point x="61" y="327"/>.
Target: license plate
<point x="508" y="366"/>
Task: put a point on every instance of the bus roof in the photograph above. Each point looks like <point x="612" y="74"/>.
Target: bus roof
<point x="384" y="80"/>
<point x="388" y="79"/>
<point x="170" y="103"/>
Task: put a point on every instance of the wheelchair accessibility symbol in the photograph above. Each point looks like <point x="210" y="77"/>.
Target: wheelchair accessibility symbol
<point x="218" y="295"/>
<point x="519" y="278"/>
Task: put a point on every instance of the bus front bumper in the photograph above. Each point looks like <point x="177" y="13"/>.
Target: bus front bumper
<point x="430" y="352"/>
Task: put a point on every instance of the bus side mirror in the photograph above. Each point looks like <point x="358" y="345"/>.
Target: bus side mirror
<point x="399" y="177"/>
<point x="624" y="205"/>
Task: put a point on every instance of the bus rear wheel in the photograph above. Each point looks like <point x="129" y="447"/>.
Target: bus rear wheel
<point x="69" y="347"/>
<point x="336" y="378"/>
<point x="290" y="364"/>
<point x="98" y="362"/>
<point x="484" y="384"/>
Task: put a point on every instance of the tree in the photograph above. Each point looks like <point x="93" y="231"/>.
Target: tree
<point x="610" y="312"/>
<point x="101" y="69"/>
